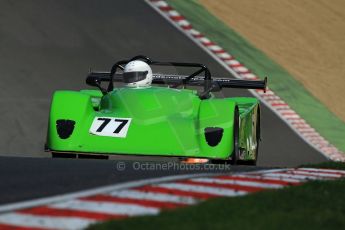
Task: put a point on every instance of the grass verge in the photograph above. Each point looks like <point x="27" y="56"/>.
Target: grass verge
<point x="280" y="81"/>
<point x="314" y="205"/>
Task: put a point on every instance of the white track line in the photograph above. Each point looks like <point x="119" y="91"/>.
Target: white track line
<point x="301" y="178"/>
<point x="265" y="176"/>
<point x="238" y="182"/>
<point x="317" y="174"/>
<point x="106" y="207"/>
<point x="99" y="190"/>
<point x="116" y="187"/>
<point x="128" y="190"/>
<point x="154" y="196"/>
<point x="202" y="189"/>
<point x="342" y="172"/>
<point x="33" y="221"/>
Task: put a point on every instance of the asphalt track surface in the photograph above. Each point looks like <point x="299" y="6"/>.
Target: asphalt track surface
<point x="30" y="178"/>
<point x="49" y="45"/>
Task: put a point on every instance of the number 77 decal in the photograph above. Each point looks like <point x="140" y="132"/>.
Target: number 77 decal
<point x="110" y="126"/>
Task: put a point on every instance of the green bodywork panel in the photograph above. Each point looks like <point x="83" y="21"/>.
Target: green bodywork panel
<point x="164" y="121"/>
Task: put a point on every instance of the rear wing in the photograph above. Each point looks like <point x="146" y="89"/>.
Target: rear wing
<point x="210" y="84"/>
<point x="217" y="83"/>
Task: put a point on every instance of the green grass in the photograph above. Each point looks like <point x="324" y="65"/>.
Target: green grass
<point x="314" y="205"/>
<point x="280" y="81"/>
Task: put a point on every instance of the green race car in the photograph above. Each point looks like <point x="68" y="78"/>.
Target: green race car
<point x="153" y="120"/>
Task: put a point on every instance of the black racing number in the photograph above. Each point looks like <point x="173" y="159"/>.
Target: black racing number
<point x="105" y="123"/>
<point x="113" y="123"/>
<point x="123" y="123"/>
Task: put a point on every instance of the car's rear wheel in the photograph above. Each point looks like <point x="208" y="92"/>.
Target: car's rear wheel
<point x="257" y="139"/>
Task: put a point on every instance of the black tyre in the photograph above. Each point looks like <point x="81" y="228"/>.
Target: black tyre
<point x="257" y="129"/>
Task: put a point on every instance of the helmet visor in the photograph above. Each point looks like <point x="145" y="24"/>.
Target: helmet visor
<point x="130" y="77"/>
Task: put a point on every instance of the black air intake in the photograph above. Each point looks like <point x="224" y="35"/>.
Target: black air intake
<point x="65" y="128"/>
<point x="213" y="135"/>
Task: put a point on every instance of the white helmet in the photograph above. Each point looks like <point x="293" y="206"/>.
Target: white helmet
<point x="137" y="74"/>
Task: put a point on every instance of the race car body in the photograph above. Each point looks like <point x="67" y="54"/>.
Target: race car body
<point x="155" y="120"/>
